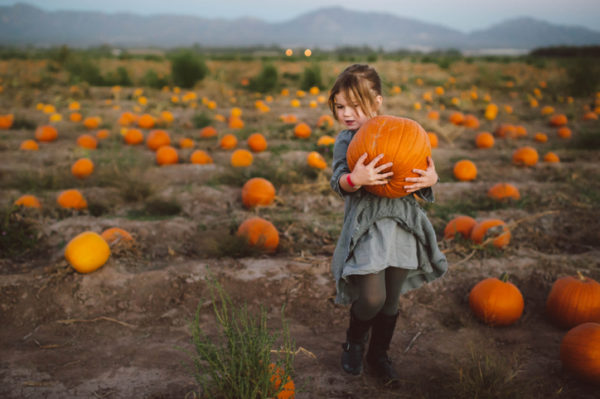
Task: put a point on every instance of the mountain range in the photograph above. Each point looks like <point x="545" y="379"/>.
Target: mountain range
<point x="325" y="28"/>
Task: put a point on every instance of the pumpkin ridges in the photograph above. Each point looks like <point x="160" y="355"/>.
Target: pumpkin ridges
<point x="580" y="351"/>
<point x="573" y="301"/>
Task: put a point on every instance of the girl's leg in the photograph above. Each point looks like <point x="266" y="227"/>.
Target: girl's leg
<point x="363" y="310"/>
<point x="394" y="277"/>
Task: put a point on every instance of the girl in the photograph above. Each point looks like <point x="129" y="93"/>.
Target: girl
<point x="387" y="245"/>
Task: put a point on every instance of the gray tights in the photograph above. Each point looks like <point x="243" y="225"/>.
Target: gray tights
<point x="378" y="292"/>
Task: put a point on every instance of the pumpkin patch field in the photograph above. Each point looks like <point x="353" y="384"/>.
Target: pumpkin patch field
<point x="121" y="202"/>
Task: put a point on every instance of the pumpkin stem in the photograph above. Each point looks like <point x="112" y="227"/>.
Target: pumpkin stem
<point x="581" y="276"/>
<point x="504" y="277"/>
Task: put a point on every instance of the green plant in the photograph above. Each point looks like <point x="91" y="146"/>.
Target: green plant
<point x="118" y="77"/>
<point x="583" y="76"/>
<point x="82" y="69"/>
<point x="266" y="80"/>
<point x="201" y="120"/>
<point x="187" y="68"/>
<point x="311" y="77"/>
<point x="238" y="362"/>
<point x="156" y="209"/>
<point x="154" y="80"/>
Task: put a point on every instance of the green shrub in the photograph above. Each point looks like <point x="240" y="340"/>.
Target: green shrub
<point x="82" y="69"/>
<point x="311" y="77"/>
<point x="237" y="363"/>
<point x="187" y="68"/>
<point x="118" y="77"/>
<point x="583" y="76"/>
<point x="154" y="80"/>
<point x="201" y="120"/>
<point x="266" y="80"/>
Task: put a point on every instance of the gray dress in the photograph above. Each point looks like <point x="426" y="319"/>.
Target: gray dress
<point x="379" y="232"/>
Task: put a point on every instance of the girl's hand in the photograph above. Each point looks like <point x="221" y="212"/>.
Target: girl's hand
<point x="427" y="179"/>
<point x="370" y="174"/>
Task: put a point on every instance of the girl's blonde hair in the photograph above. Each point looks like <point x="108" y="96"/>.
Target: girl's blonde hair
<point x="358" y="82"/>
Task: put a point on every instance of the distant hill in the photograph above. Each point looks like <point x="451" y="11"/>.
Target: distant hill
<point x="326" y="28"/>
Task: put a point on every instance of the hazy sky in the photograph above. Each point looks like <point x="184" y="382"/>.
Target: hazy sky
<point x="464" y="15"/>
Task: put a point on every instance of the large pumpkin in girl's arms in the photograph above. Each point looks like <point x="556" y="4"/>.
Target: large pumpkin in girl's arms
<point x="402" y="141"/>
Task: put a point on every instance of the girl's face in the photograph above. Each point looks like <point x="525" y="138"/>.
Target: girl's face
<point x="349" y="112"/>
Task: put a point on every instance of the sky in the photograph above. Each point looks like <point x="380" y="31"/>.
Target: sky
<point x="463" y="15"/>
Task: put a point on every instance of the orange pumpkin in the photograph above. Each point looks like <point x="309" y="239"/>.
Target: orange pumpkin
<point x="75" y="117"/>
<point x="257" y="142"/>
<point x="503" y="191"/>
<point x="580" y="352"/>
<point x="496" y="302"/>
<point x="484" y="140"/>
<point x="551" y="157"/>
<point x="87" y="252"/>
<point x="133" y="136"/>
<point x="146" y="121"/>
<point x="491" y="111"/>
<point x="127" y="119"/>
<point x="28" y="201"/>
<point x="228" y="142"/>
<point x="200" y="157"/>
<point x="82" y="168"/>
<point x="316" y="160"/>
<point x="241" y="158"/>
<point x="401" y="141"/>
<point x="459" y="225"/>
<point x="259" y="233"/>
<point x="87" y="141"/>
<point x="29" y="145"/>
<point x="540" y="137"/>
<point x="208" y="132"/>
<point x="102" y="134"/>
<point x="235" y="122"/>
<point x="166" y="155"/>
<point x="257" y="192"/>
<point x="558" y="120"/>
<point x="117" y="236"/>
<point x="433" y="139"/>
<point x="564" y="132"/>
<point x="525" y="156"/>
<point x="46" y="133"/>
<point x="433" y="115"/>
<point x="496" y="228"/>
<point x="574" y="300"/>
<point x="456" y="118"/>
<point x="302" y="130"/>
<point x="520" y="131"/>
<point x="590" y="116"/>
<point x="6" y="121"/>
<point x="71" y="199"/>
<point x="325" y="121"/>
<point x="505" y="130"/>
<point x="465" y="170"/>
<point x="92" y="122"/>
<point x="470" y="121"/>
<point x="157" y="138"/>
<point x="186" y="142"/>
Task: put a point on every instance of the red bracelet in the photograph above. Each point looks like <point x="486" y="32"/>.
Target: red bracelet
<point x="349" y="180"/>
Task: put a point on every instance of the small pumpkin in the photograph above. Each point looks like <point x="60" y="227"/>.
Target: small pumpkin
<point x="200" y="157"/>
<point x="257" y="142"/>
<point x="28" y="201"/>
<point x="459" y="225"/>
<point x="228" y="142"/>
<point x="456" y="118"/>
<point x="505" y="130"/>
<point x="258" y="192"/>
<point x="157" y="138"/>
<point x="46" y="133"/>
<point x="87" y="252"/>
<point x="6" y="121"/>
<point x="491" y="111"/>
<point x="496" y="302"/>
<point x="208" y="132"/>
<point x="558" y="120"/>
<point x="166" y="155"/>
<point x="402" y="141"/>
<point x="325" y="121"/>
<point x="235" y="122"/>
<point x="241" y="158"/>
<point x="259" y="233"/>
<point x="525" y="156"/>
<point x="540" y="137"/>
<point x="503" y="191"/>
<point x="29" y="145"/>
<point x="484" y="140"/>
<point x="564" y="132"/>
<point x="316" y="160"/>
<point x="82" y="168"/>
<point x="71" y="199"/>
<point x="92" y="122"/>
<point x="325" y="141"/>
<point x="465" y="170"/>
<point x="494" y="227"/>
<point x="102" y="134"/>
<point x="302" y="130"/>
<point x="470" y="121"/>
<point x="127" y="119"/>
<point x="433" y="139"/>
<point x="87" y="141"/>
<point x="133" y="136"/>
<point x="117" y="236"/>
<point x="75" y="117"/>
<point x="146" y="121"/>
<point x="574" y="300"/>
<point x="580" y="352"/>
<point x="186" y="142"/>
<point x="551" y="157"/>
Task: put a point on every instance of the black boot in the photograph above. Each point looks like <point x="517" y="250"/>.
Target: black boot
<point x="377" y="358"/>
<point x="356" y="339"/>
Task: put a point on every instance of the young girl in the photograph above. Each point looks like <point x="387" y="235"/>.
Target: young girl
<point x="387" y="245"/>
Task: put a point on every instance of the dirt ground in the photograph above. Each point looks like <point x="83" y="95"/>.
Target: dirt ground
<point x="123" y="331"/>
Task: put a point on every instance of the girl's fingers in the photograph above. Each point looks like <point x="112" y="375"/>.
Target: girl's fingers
<point x="383" y="167"/>
<point x="419" y="171"/>
<point x="375" y="160"/>
<point x="361" y="160"/>
<point x="385" y="175"/>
